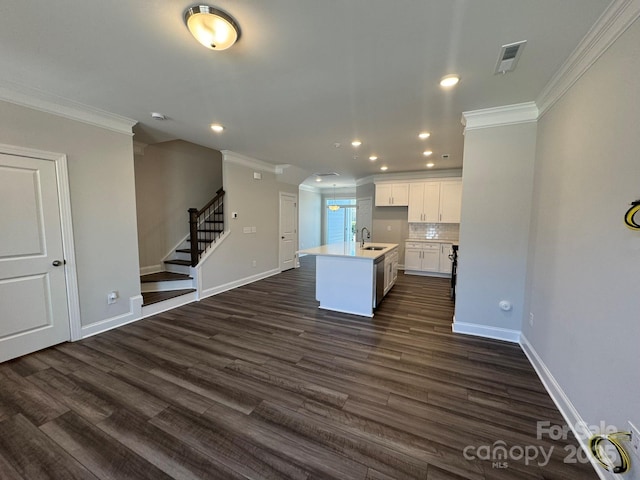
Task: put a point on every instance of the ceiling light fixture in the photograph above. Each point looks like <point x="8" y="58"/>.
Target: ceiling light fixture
<point x="427" y="153"/>
<point x="430" y="165"/>
<point x="373" y="158"/>
<point x="158" y="116"/>
<point x="216" y="127"/>
<point x="449" y="81"/>
<point x="318" y="179"/>
<point x="424" y="135"/>
<point x="334" y="207"/>
<point x="213" y="28"/>
<point x="356" y="143"/>
<point x="384" y="168"/>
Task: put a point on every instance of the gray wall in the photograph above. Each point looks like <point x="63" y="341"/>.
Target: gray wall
<point x="310" y="219"/>
<point x="171" y="177"/>
<point x="103" y="203"/>
<point x="257" y="204"/>
<point x="584" y="271"/>
<point x="494" y="226"/>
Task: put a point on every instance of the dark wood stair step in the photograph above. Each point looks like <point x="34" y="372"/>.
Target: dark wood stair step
<point x="208" y="230"/>
<point x="149" y="298"/>
<point x="187" y="250"/>
<point x="214" y="221"/>
<point x="186" y="263"/>
<point x="163" y="277"/>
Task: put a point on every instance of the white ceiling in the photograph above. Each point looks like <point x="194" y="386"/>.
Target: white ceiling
<point x="304" y="75"/>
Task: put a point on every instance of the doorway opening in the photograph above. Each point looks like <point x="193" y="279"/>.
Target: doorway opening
<point x="341" y="223"/>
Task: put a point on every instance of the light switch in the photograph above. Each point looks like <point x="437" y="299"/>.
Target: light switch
<point x="246" y="229"/>
<point x="253" y="229"/>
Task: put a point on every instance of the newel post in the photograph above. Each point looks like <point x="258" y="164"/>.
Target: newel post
<point x="193" y="232"/>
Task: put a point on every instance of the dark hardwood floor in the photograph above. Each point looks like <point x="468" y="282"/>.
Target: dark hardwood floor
<point x="259" y="383"/>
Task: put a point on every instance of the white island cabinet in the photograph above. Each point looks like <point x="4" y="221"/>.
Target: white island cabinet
<point x="351" y="279"/>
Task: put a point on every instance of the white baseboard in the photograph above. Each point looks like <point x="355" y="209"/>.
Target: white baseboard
<point x="562" y="401"/>
<point x="150" y="269"/>
<point x="134" y="314"/>
<point x="425" y="274"/>
<point x="496" y="333"/>
<point x="237" y="283"/>
<point x="169" y="304"/>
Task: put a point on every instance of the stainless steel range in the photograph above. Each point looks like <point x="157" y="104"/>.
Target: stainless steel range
<point x="453" y="256"/>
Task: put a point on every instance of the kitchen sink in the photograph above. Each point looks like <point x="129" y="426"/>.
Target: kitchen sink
<point x="373" y="248"/>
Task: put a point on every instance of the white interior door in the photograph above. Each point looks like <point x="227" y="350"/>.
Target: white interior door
<point x="288" y="226"/>
<point x="33" y="296"/>
<point x="364" y="216"/>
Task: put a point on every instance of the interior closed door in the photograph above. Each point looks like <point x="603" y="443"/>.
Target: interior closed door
<point x="288" y="222"/>
<point x="33" y="296"/>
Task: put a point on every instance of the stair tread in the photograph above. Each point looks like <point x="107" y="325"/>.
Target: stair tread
<point x="149" y="298"/>
<point x="210" y="230"/>
<point x="164" y="277"/>
<point x="187" y="250"/>
<point x="186" y="263"/>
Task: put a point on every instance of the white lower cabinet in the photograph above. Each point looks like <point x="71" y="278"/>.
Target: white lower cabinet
<point x="390" y="269"/>
<point x="427" y="257"/>
<point x="445" y="261"/>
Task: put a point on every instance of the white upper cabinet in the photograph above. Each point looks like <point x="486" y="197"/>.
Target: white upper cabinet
<point x="450" y="201"/>
<point x="435" y="202"/>
<point x="424" y="202"/>
<point x="392" y="194"/>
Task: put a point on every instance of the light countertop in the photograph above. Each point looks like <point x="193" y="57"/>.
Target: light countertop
<point x="350" y="250"/>
<point x="432" y="240"/>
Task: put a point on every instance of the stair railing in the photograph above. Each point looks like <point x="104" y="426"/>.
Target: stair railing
<point x="206" y="226"/>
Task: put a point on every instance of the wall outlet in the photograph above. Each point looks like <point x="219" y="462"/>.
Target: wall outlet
<point x="635" y="439"/>
<point x="531" y="319"/>
<point x="112" y="297"/>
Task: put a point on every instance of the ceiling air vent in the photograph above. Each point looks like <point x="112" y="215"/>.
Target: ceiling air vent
<point x="509" y="56"/>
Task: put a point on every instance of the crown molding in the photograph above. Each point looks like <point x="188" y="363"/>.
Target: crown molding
<point x="614" y="21"/>
<point x="63" y="107"/>
<point x="410" y="176"/>
<point x="238" y="159"/>
<point x="498" y="116"/>
<point x="308" y="188"/>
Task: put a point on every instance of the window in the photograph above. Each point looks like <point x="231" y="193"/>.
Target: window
<point x="341" y="224"/>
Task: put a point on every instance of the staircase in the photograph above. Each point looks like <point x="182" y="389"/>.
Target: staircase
<point x="206" y="225"/>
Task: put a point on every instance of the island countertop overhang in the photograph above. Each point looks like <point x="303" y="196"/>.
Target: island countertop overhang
<point x="350" y="250"/>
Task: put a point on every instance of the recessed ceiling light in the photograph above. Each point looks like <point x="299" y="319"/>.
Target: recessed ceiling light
<point x="424" y="135"/>
<point x="384" y="168"/>
<point x="427" y="153"/>
<point x="356" y="143"/>
<point x="318" y="179"/>
<point x="430" y="165"/>
<point x="373" y="158"/>
<point x="216" y="127"/>
<point x="213" y="28"/>
<point x="449" y="80"/>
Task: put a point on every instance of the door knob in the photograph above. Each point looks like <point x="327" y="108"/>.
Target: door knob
<point x="282" y="238"/>
<point x="56" y="263"/>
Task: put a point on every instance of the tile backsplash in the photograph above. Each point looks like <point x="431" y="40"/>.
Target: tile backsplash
<point x="434" y="231"/>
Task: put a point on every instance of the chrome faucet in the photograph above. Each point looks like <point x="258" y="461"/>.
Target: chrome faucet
<point x="362" y="235"/>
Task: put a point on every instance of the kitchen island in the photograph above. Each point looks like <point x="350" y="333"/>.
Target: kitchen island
<point x="352" y="279"/>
